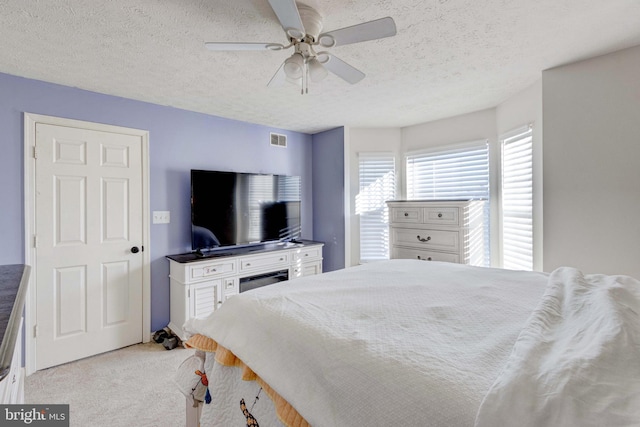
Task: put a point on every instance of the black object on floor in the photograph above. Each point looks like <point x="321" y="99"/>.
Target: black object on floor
<point x="167" y="338"/>
<point x="170" y="343"/>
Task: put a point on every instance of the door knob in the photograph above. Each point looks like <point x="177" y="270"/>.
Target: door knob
<point x="135" y="250"/>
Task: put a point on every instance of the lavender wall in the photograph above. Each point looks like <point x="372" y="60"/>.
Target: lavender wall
<point x="179" y="141"/>
<point x="328" y="196"/>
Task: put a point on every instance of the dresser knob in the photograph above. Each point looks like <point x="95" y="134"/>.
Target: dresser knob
<point x="406" y="214"/>
<point x="439" y="215"/>
<point x="424" y="240"/>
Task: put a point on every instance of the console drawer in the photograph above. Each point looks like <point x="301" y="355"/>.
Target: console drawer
<point x="212" y="269"/>
<point x="272" y="261"/>
<point x="303" y="254"/>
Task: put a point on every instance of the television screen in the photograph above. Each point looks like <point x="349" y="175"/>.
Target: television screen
<point x="231" y="208"/>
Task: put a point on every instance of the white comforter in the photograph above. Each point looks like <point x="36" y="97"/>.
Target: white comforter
<point x="577" y="361"/>
<point x="405" y="342"/>
<point x="395" y="343"/>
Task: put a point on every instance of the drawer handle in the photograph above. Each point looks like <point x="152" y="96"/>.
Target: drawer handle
<point x="424" y="240"/>
<point x="406" y="214"/>
<point x="439" y="215"/>
<point x="424" y="259"/>
<point x="281" y="259"/>
<point x="248" y="264"/>
<point x="306" y="254"/>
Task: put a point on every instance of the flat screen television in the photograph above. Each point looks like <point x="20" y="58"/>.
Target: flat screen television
<point x="238" y="209"/>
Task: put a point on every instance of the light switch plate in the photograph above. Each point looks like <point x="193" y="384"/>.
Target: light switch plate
<point x="161" y="217"/>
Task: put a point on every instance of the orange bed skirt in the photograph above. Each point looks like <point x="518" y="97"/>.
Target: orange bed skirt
<point x="285" y="412"/>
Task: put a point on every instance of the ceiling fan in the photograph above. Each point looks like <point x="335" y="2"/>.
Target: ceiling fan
<point x="302" y="25"/>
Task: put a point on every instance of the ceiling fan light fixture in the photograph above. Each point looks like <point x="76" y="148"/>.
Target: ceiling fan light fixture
<point x="317" y="72"/>
<point x="294" y="66"/>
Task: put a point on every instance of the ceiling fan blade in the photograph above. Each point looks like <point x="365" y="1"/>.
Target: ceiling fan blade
<point x="372" y="30"/>
<point x="343" y="70"/>
<point x="232" y="46"/>
<point x="279" y="78"/>
<point x="289" y="17"/>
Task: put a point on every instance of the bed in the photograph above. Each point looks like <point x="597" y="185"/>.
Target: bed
<point x="406" y="342"/>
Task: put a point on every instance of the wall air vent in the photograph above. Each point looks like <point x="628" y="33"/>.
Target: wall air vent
<point x="278" y="140"/>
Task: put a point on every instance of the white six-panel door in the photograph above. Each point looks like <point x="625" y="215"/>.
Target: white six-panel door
<point x="88" y="222"/>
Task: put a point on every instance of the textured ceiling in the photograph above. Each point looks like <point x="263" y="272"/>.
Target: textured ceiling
<point x="449" y="57"/>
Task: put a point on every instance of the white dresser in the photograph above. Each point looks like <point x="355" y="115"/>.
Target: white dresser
<point x="451" y="231"/>
<point x="200" y="285"/>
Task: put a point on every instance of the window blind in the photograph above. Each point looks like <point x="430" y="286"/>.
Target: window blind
<point x="459" y="172"/>
<point x="517" y="200"/>
<point x="377" y="185"/>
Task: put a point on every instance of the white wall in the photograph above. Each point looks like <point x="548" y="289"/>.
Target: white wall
<point x="356" y="141"/>
<point x="468" y="127"/>
<point x="592" y="164"/>
<point x="519" y="110"/>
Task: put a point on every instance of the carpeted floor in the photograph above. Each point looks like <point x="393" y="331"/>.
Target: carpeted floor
<point x="132" y="386"/>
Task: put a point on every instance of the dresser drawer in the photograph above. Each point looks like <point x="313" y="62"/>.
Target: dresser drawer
<point x="407" y="253"/>
<point x="273" y="261"/>
<point x="406" y="215"/>
<point x="442" y="216"/>
<point x="427" y="239"/>
<point x="212" y="269"/>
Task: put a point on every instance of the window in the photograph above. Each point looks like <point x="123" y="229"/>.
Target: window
<point x="452" y="173"/>
<point x="517" y="200"/>
<point x="377" y="185"/>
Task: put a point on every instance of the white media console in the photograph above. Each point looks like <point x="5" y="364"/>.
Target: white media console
<point x="199" y="285"/>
